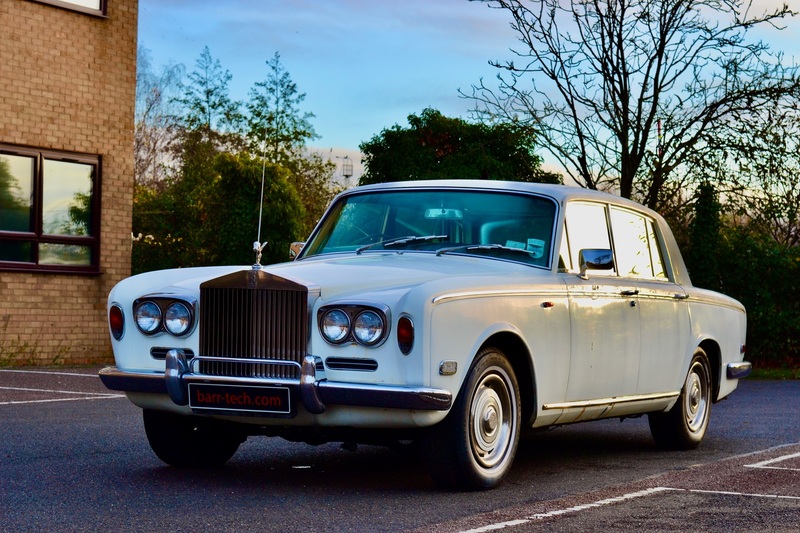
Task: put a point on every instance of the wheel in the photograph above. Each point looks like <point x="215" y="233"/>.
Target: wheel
<point x="683" y="426"/>
<point x="473" y="448"/>
<point x="190" y="441"/>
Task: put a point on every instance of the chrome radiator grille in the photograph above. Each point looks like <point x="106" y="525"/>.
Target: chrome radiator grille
<point x="253" y="315"/>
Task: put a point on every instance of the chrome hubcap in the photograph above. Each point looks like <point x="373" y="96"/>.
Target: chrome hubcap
<point x="696" y="398"/>
<point x="491" y="421"/>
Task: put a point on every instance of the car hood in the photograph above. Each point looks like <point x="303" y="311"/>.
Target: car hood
<point x="340" y="275"/>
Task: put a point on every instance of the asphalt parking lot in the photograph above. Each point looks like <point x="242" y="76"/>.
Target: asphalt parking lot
<point x="756" y="491"/>
<point x="64" y="432"/>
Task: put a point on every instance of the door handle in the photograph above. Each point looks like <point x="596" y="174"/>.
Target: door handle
<point x="680" y="296"/>
<point x="630" y="292"/>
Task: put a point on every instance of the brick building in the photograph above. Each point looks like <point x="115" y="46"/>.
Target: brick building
<point x="67" y="95"/>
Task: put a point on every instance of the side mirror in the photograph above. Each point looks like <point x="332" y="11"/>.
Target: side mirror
<point x="595" y="259"/>
<point x="294" y="250"/>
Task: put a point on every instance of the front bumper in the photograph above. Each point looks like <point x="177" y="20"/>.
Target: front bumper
<point x="314" y="394"/>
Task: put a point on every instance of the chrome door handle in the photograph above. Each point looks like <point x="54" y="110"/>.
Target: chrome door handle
<point x="630" y="292"/>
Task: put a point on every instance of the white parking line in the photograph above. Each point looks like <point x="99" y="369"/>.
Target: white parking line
<point x="52" y="373"/>
<point x="83" y="395"/>
<point x="751" y="495"/>
<point x="616" y="499"/>
<point x="575" y="509"/>
<point x="764" y="464"/>
<point x="106" y="397"/>
<point x="57" y="391"/>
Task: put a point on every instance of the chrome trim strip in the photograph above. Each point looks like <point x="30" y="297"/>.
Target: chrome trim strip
<point x="739" y="370"/>
<point x="583" y="404"/>
<point x="493" y="293"/>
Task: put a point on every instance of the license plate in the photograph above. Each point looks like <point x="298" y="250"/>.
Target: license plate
<point x="240" y="398"/>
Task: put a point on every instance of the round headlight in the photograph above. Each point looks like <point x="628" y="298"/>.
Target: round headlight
<point x="177" y="318"/>
<point x="335" y="326"/>
<point x="368" y="327"/>
<point x="148" y="317"/>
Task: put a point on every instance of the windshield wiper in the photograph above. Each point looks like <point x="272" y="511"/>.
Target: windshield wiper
<point x="469" y="247"/>
<point x="402" y="240"/>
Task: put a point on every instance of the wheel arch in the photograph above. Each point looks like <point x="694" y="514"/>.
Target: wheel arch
<point x="714" y="354"/>
<point x="519" y="357"/>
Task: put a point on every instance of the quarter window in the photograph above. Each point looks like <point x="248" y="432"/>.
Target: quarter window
<point x="49" y="210"/>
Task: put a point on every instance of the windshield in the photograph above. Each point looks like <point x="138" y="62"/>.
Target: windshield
<point x="500" y="225"/>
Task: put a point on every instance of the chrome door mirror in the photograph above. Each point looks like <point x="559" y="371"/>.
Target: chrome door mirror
<point x="595" y="259"/>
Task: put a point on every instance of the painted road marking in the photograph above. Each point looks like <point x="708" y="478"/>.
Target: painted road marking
<point x="764" y="464"/>
<point x="617" y="499"/>
<point x="107" y="397"/>
<point x="57" y="391"/>
<point x="575" y="509"/>
<point x="52" y="373"/>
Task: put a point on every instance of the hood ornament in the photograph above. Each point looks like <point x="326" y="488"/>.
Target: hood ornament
<point x="257" y="248"/>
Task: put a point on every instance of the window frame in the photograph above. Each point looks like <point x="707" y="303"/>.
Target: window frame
<point x="37" y="236"/>
<point x="71" y="6"/>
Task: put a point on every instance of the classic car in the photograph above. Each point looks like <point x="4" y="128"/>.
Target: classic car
<point x="446" y="315"/>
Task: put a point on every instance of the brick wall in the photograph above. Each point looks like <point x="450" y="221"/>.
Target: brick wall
<point x="67" y="82"/>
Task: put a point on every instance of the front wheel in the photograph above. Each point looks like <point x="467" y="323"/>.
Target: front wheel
<point x="473" y="448"/>
<point x="190" y="441"/>
<point x="683" y="426"/>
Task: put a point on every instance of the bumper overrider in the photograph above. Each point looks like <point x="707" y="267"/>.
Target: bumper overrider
<point x="314" y="393"/>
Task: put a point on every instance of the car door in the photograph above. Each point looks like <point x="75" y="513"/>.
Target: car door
<point x="604" y="315"/>
<point x="663" y="313"/>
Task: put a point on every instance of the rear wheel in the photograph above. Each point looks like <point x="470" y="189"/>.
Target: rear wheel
<point x="684" y="426"/>
<point x="474" y="447"/>
<point x="190" y="441"/>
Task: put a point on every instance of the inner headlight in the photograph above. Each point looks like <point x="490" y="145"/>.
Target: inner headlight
<point x="335" y="326"/>
<point x="177" y="318"/>
<point x="148" y="317"/>
<point x="368" y="327"/>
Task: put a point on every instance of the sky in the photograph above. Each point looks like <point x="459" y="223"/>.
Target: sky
<point x="364" y="65"/>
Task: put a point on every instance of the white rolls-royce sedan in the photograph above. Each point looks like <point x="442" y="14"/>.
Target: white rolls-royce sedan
<point x="449" y="314"/>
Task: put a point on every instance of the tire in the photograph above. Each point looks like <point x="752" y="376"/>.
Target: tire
<point x="190" y="441"/>
<point x="474" y="446"/>
<point x="684" y="426"/>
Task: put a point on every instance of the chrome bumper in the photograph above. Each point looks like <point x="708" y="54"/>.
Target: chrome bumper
<point x="739" y="370"/>
<point x="314" y="394"/>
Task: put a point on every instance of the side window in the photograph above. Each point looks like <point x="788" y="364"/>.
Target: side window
<point x="587" y="227"/>
<point x="636" y="246"/>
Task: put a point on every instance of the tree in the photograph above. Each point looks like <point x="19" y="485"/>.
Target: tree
<point x="705" y="239"/>
<point x="235" y="215"/>
<point x="155" y="119"/>
<point x="623" y="92"/>
<point x="437" y="147"/>
<point x="765" y="154"/>
<point x="278" y="130"/>
<point x="275" y="118"/>
<point x="207" y="106"/>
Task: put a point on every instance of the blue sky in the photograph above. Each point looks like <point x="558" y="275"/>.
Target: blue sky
<point x="364" y="65"/>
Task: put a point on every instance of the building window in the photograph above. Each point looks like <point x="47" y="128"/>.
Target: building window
<point x="49" y="210"/>
<point x="91" y="7"/>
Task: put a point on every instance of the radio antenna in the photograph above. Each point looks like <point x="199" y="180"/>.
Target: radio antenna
<point x="258" y="246"/>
